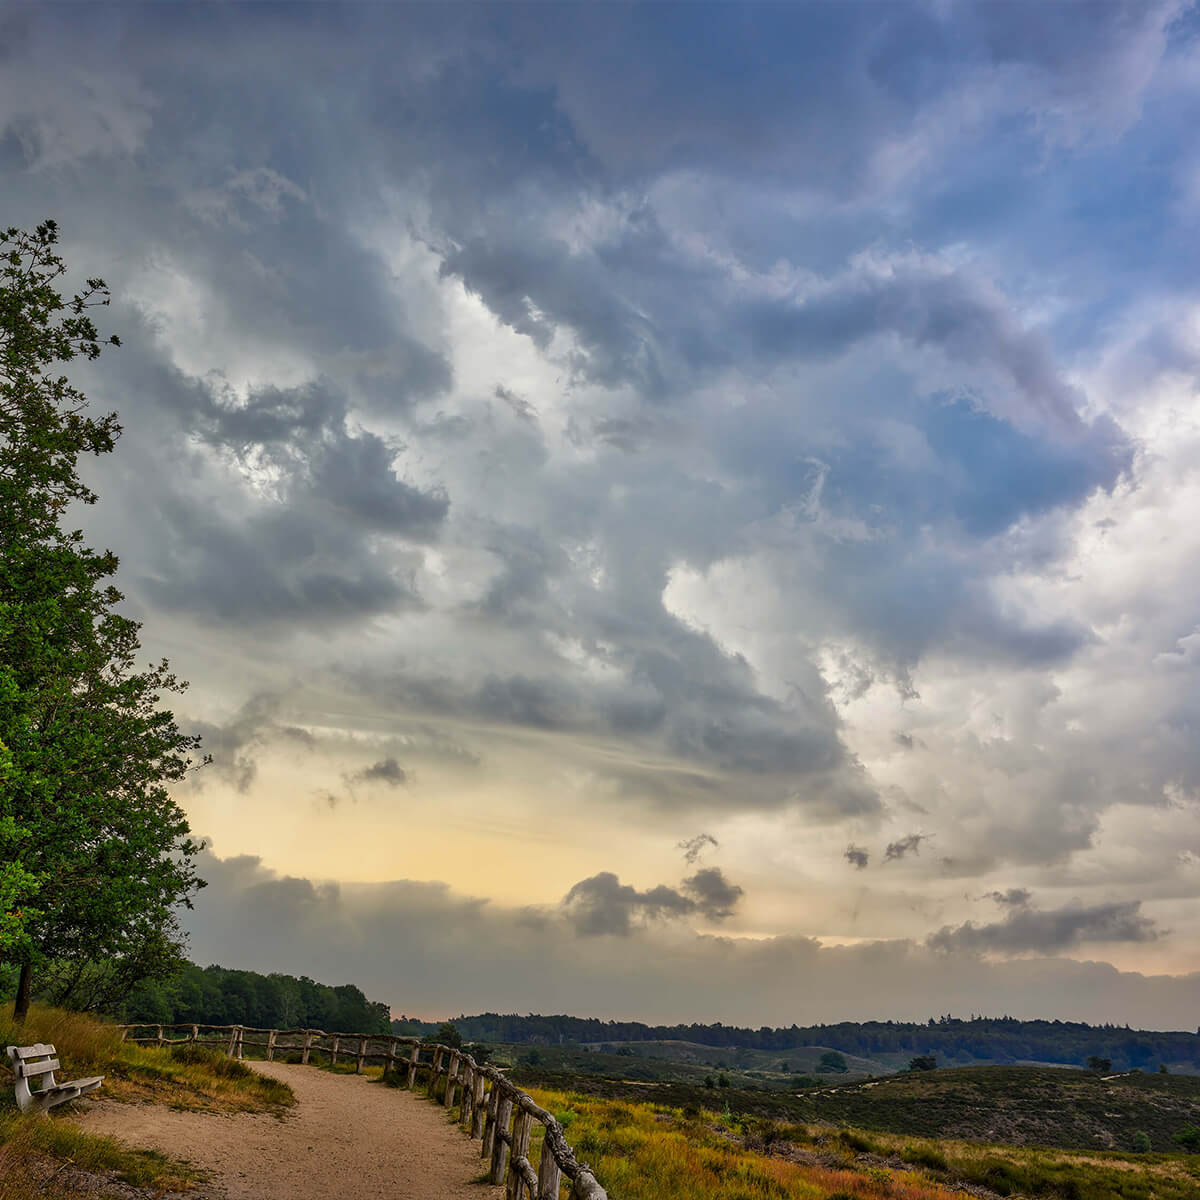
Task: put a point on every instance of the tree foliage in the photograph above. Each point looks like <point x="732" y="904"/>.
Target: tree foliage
<point x="96" y="854"/>
<point x="221" y="996"/>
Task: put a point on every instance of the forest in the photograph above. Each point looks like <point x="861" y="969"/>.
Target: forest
<point x="219" y="996"/>
<point x="992" y="1039"/>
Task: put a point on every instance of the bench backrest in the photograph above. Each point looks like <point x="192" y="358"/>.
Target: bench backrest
<point x="24" y="1066"/>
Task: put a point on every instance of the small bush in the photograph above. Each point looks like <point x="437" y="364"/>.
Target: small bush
<point x="1141" y="1142"/>
<point x="1189" y="1139"/>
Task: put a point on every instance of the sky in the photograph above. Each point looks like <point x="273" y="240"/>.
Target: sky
<point x="669" y="511"/>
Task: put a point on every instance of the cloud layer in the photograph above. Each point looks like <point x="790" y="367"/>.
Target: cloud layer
<point x="798" y="443"/>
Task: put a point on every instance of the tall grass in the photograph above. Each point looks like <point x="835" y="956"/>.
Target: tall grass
<point x="641" y="1151"/>
<point x="183" y="1076"/>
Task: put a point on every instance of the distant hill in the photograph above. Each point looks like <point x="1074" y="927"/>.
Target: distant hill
<point x="951" y="1039"/>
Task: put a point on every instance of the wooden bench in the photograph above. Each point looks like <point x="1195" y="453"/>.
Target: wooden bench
<point x="38" y="1062"/>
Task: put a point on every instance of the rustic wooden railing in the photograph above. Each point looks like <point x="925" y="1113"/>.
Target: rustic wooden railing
<point x="491" y="1108"/>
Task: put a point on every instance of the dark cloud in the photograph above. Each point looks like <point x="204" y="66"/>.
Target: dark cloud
<point x="387" y="770"/>
<point x="602" y="904"/>
<point x="1012" y="898"/>
<point x="911" y="844"/>
<point x="857" y="857"/>
<point x="234" y="746"/>
<point x="693" y="847"/>
<point x="715" y="896"/>
<point x="1050" y="931"/>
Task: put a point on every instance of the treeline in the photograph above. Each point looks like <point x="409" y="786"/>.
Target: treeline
<point x="994" y="1039"/>
<point x="219" y="996"/>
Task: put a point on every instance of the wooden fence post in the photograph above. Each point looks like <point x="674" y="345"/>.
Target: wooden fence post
<point x="413" y="1059"/>
<point x="271" y="1045"/>
<point x="520" y="1150"/>
<point x="161" y="1039"/>
<point x="451" y="1080"/>
<point x="435" y="1067"/>
<point x="468" y="1094"/>
<point x="477" y="1109"/>
<point x="307" y="1046"/>
<point x="389" y="1065"/>
<point x="334" y="1052"/>
<point x="232" y="1042"/>
<point x="241" y="1036"/>
<point x="500" y="1140"/>
<point x="195" y="1034"/>
<point x="362" y="1055"/>
<point x="549" y="1175"/>
<point x="489" y="1125"/>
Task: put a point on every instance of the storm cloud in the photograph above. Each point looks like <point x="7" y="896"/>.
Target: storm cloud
<point x="1049" y="931"/>
<point x="772" y="446"/>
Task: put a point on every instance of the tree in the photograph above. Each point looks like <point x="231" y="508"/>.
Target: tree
<point x="448" y="1035"/>
<point x="831" y="1060"/>
<point x="1098" y="1064"/>
<point x="923" y="1062"/>
<point x="97" y="856"/>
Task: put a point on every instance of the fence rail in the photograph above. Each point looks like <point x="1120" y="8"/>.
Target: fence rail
<point x="491" y="1108"/>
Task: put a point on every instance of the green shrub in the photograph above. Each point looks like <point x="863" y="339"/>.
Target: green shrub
<point x="1189" y="1138"/>
<point x="1141" y="1142"/>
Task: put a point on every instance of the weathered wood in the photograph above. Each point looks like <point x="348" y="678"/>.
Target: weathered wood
<point x="549" y="1176"/>
<point x="195" y="1033"/>
<point x="160" y="1039"/>
<point x="478" y="1116"/>
<point x="308" y="1038"/>
<point x="520" y="1154"/>
<point x="232" y="1042"/>
<point x="362" y="1054"/>
<point x="489" y="1125"/>
<point x="334" y="1052"/>
<point x="451" y="1079"/>
<point x="413" y="1059"/>
<point x="501" y="1138"/>
<point x="241" y="1033"/>
<point x="271" y="1046"/>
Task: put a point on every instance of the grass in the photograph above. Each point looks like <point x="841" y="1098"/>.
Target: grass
<point x="52" y="1158"/>
<point x="644" y="1150"/>
<point x="183" y="1076"/>
<point x="647" y="1152"/>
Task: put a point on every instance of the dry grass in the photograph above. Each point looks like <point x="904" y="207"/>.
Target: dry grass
<point x="640" y="1151"/>
<point x="41" y="1158"/>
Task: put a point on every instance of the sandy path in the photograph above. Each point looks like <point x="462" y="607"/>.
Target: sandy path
<point x="346" y="1137"/>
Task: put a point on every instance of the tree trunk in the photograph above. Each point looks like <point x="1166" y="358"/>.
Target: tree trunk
<point x="24" y="985"/>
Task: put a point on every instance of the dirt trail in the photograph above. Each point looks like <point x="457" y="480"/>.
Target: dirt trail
<point x="345" y="1137"/>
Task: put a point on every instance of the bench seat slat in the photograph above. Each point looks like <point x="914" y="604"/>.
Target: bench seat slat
<point x="29" y="1069"/>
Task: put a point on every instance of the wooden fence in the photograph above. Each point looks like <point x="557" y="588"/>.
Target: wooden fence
<point x="491" y="1108"/>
